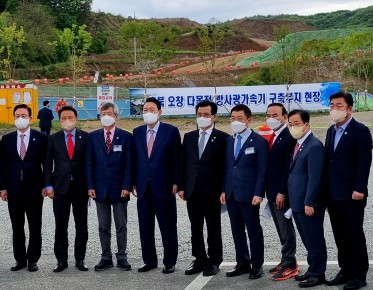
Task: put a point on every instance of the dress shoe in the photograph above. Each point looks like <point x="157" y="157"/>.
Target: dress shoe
<point x="123" y="265"/>
<point x="211" y="270"/>
<point x="302" y="277"/>
<point x="18" y="266"/>
<point x="238" y="270"/>
<point x="312" y="282"/>
<point x="256" y="273"/>
<point x="103" y="265"/>
<point x="355" y="284"/>
<point x="81" y="266"/>
<point x="32" y="267"/>
<point x="168" y="270"/>
<point x="147" y="267"/>
<point x="338" y="280"/>
<point x="60" y="267"/>
<point x="197" y="266"/>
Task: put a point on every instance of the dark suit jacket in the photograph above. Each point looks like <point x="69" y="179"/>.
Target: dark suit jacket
<point x="278" y="165"/>
<point x="245" y="176"/>
<point x="60" y="174"/>
<point x="109" y="174"/>
<point x="32" y="165"/>
<point x="45" y="116"/>
<point x="209" y="169"/>
<point x="306" y="175"/>
<point x="348" y="166"/>
<point x="161" y="170"/>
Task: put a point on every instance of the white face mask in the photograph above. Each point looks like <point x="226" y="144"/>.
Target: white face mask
<point x="150" y="118"/>
<point x="21" y="123"/>
<point x="338" y="116"/>
<point x="238" y="127"/>
<point x="297" y="132"/>
<point x="273" y="123"/>
<point x="203" y="122"/>
<point x="68" y="125"/>
<point x="107" y="121"/>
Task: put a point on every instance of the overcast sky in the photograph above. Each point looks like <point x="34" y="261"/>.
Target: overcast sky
<point x="203" y="10"/>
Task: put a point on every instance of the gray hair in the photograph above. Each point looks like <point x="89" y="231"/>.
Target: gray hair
<point x="107" y="105"/>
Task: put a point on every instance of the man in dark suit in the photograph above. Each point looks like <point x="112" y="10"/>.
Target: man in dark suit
<point x="243" y="190"/>
<point x="348" y="161"/>
<point x="202" y="169"/>
<point x="66" y="184"/>
<point x="23" y="156"/>
<point x="45" y="116"/>
<point x="156" y="154"/>
<point x="306" y="202"/>
<point x="281" y="146"/>
<point x="108" y="169"/>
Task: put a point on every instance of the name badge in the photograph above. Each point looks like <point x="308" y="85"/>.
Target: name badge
<point x="117" y="148"/>
<point x="249" y="150"/>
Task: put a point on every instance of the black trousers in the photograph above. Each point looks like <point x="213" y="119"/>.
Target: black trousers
<point x="45" y="130"/>
<point x="347" y="219"/>
<point x="200" y="209"/>
<point x="32" y="207"/>
<point x="62" y="204"/>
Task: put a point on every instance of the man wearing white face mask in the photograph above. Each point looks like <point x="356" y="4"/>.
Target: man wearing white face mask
<point x="202" y="169"/>
<point x="281" y="146"/>
<point x="348" y="161"/>
<point x="23" y="157"/>
<point x="65" y="182"/>
<point x="156" y="154"/>
<point x="243" y="190"/>
<point x="109" y="176"/>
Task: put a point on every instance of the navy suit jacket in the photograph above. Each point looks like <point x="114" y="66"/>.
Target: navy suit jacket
<point x="109" y="174"/>
<point x="45" y="116"/>
<point x="32" y="165"/>
<point x="245" y="176"/>
<point x="348" y="166"/>
<point x="306" y="175"/>
<point x="161" y="169"/>
<point x="278" y="165"/>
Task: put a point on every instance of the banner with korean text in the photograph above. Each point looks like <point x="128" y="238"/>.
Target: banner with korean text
<point x="182" y="101"/>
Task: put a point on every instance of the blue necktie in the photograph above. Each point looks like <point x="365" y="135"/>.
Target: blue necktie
<point x="238" y="146"/>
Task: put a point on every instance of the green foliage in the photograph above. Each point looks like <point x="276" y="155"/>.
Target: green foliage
<point x="99" y="44"/>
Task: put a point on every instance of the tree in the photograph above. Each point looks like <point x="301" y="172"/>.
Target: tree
<point x="148" y="44"/>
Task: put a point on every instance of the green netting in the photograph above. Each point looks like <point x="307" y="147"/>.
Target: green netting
<point x="294" y="41"/>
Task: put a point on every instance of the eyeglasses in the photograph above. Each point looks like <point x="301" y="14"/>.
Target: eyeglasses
<point x="239" y="119"/>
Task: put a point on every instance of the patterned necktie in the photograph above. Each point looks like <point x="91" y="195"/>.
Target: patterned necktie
<point x="70" y="145"/>
<point x="238" y="146"/>
<point x="22" y="150"/>
<point x="201" y="144"/>
<point x="296" y="150"/>
<point x="108" y="142"/>
<point x="271" y="140"/>
<point x="151" y="142"/>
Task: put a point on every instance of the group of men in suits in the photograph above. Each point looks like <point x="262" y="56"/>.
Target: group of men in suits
<point x="210" y="168"/>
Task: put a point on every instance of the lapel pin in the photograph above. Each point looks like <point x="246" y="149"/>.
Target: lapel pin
<point x="80" y="137"/>
<point x="117" y="137"/>
<point x="345" y="133"/>
<point x="33" y="139"/>
<point x="251" y="140"/>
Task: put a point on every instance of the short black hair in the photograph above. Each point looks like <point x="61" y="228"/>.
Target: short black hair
<point x="284" y="112"/>
<point x="346" y="96"/>
<point x="22" y="106"/>
<point x="67" y="108"/>
<point x="208" y="103"/>
<point x="155" y="101"/>
<point x="45" y="103"/>
<point x="304" y="115"/>
<point x="242" y="107"/>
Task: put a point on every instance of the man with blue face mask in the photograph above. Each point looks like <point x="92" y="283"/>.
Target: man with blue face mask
<point x="156" y="154"/>
<point x="202" y="168"/>
<point x="109" y="182"/>
<point x="243" y="190"/>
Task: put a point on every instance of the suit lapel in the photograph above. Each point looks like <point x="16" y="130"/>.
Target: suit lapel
<point x="300" y="150"/>
<point x="62" y="141"/>
<point x="247" y="143"/>
<point x="210" y="143"/>
<point x="31" y="144"/>
<point x="78" y="142"/>
<point x="194" y="141"/>
<point x="345" y="135"/>
<point x="158" y="140"/>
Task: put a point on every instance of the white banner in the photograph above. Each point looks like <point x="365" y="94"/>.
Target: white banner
<point x="182" y="101"/>
<point x="104" y="94"/>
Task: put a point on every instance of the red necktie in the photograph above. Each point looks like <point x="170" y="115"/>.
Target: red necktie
<point x="70" y="145"/>
<point x="108" y="142"/>
<point x="296" y="150"/>
<point x="271" y="140"/>
<point x="151" y="142"/>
